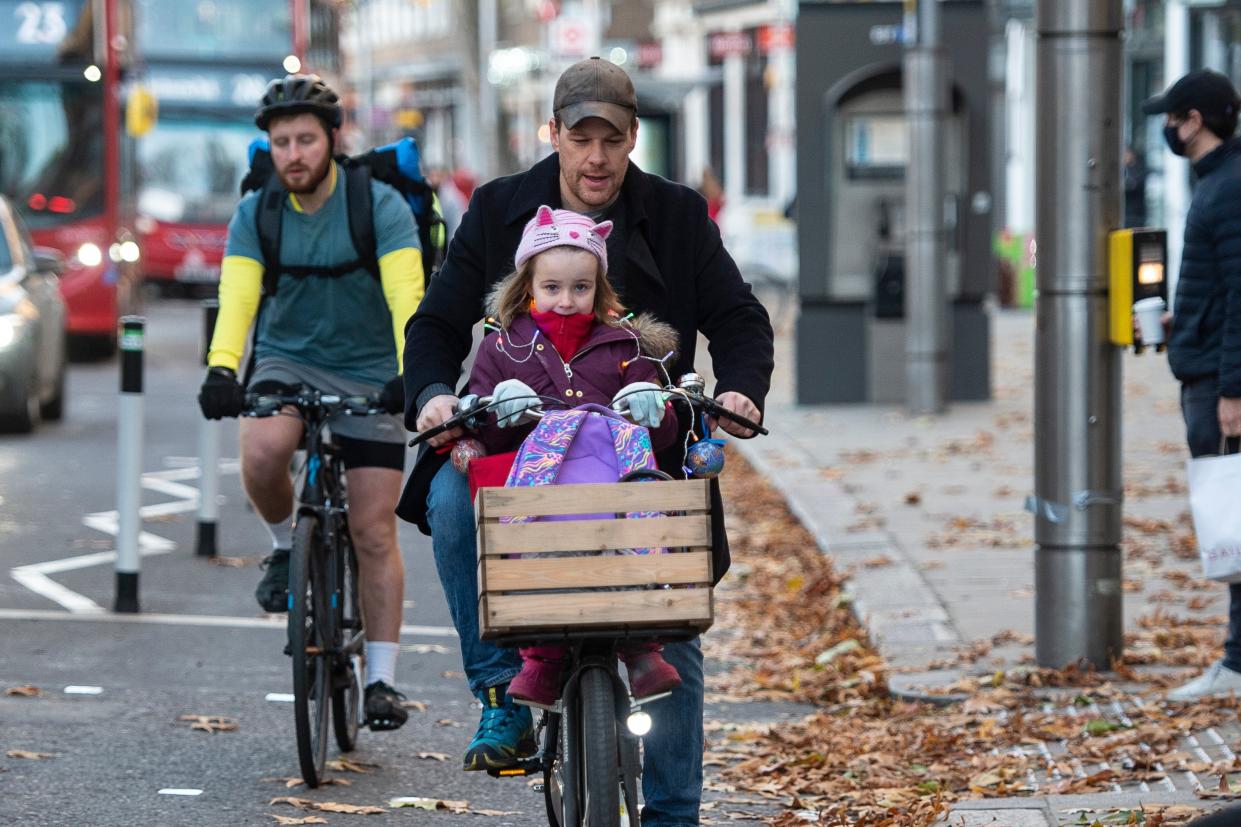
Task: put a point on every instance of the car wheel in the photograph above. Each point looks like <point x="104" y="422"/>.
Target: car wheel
<point x="53" y="410"/>
<point x="25" y="416"/>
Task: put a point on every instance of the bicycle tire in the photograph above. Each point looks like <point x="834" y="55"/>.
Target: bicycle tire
<point x="309" y="634"/>
<point x="599" y="771"/>
<point x="350" y="670"/>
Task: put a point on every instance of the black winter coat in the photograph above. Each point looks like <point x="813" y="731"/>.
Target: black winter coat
<point x="1206" y="327"/>
<point x="675" y="267"/>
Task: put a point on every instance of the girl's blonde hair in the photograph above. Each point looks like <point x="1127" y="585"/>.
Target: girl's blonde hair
<point x="515" y="295"/>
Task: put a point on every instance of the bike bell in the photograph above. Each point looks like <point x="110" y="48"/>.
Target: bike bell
<point x="692" y="382"/>
<point x="705" y="458"/>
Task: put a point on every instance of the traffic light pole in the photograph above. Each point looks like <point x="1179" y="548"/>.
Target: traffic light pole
<point x="1077" y="419"/>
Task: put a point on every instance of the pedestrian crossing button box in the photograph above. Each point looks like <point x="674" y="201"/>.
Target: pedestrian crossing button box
<point x="1137" y="264"/>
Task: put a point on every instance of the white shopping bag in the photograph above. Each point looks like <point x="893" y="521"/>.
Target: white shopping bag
<point x="1215" y="500"/>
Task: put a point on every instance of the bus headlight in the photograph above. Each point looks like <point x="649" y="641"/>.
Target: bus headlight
<point x="89" y="255"/>
<point x="130" y="251"/>
<point x="639" y="723"/>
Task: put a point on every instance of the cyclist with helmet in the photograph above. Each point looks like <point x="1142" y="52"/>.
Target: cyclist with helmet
<point x="324" y="320"/>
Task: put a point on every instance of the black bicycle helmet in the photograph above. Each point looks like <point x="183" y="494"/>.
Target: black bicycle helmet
<point x="295" y="94"/>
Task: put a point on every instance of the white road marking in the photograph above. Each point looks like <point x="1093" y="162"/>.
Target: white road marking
<point x="178" y="791"/>
<point x="217" y="621"/>
<point x="279" y="697"/>
<point x="83" y="690"/>
<point x="35" y="576"/>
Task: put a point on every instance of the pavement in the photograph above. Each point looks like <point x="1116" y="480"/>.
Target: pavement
<point x="926" y="516"/>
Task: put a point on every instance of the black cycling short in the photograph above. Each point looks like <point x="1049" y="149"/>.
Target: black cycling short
<point x="370" y="453"/>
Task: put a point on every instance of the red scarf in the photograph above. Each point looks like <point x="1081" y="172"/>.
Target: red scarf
<point x="566" y="333"/>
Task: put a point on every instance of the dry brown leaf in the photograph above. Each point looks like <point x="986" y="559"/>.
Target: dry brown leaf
<point x="234" y="563"/>
<point x="34" y="756"/>
<point x="295" y="820"/>
<point x="347" y="765"/>
<point x="352" y="809"/>
<point x="448" y="722"/>
<point x="27" y="691"/>
<point x="210" y="723"/>
<point x="420" y="706"/>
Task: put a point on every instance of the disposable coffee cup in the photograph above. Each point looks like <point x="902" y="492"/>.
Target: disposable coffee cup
<point x="1149" y="313"/>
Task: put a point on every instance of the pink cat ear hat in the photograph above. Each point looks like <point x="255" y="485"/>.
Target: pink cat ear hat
<point x="563" y="228"/>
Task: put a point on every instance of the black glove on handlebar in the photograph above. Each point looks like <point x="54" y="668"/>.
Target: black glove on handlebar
<point x="221" y="394"/>
<point x="392" y="397"/>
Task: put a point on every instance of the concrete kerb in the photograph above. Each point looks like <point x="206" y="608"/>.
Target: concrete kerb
<point x="907" y="622"/>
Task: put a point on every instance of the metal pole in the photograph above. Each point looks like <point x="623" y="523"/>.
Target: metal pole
<point x="926" y="288"/>
<point x="1077" y="389"/>
<point x="487" y="104"/>
<point x="208" y="454"/>
<point x="129" y="465"/>
<point x="1176" y="45"/>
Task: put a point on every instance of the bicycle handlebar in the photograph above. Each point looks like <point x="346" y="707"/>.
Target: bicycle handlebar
<point x="270" y="404"/>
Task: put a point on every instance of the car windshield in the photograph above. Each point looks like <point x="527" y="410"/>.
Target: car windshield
<point x="51" y="149"/>
<point x="190" y="170"/>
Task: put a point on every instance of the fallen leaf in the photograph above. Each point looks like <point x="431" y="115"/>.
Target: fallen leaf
<point x="36" y="756"/>
<point x="421" y="706"/>
<point x="236" y="563"/>
<point x="434" y="756"/>
<point x="421" y="803"/>
<point x="346" y="765"/>
<point x="295" y="820"/>
<point x="27" y="691"/>
<point x="495" y="813"/>
<point x="448" y="722"/>
<point x="352" y="809"/>
<point x="210" y="723"/>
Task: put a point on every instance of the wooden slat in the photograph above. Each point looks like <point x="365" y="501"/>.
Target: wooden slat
<point x="501" y="614"/>
<point x="595" y="535"/>
<point x="546" y="500"/>
<point x="595" y="572"/>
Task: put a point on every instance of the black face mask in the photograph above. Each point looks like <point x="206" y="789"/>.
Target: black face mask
<point x="1170" y="134"/>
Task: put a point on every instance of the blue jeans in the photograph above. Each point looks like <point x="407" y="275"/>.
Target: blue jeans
<point x="672" y="764"/>
<point x="1200" y="407"/>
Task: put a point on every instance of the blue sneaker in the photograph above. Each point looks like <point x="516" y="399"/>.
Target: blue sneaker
<point x="505" y="733"/>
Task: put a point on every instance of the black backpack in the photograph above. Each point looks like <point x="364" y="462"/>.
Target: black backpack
<point x="396" y="164"/>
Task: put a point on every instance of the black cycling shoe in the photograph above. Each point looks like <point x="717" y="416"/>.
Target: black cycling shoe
<point x="383" y="707"/>
<point x="273" y="590"/>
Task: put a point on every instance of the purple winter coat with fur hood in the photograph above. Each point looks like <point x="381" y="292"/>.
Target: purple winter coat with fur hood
<point x="605" y="363"/>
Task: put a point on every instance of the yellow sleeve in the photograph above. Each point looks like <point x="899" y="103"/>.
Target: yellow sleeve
<point x="400" y="273"/>
<point x="241" y="285"/>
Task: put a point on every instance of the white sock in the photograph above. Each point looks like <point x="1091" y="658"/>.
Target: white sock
<point x="381" y="662"/>
<point x="281" y="533"/>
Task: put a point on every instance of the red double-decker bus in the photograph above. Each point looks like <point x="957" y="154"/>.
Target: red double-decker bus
<point x="206" y="65"/>
<point x="61" y="150"/>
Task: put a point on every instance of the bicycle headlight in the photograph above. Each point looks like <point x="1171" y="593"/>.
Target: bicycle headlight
<point x="89" y="255"/>
<point x="639" y="723"/>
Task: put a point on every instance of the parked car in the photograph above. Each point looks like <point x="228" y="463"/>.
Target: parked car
<point x="32" y="328"/>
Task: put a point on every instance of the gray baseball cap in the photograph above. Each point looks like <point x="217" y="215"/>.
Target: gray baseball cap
<point x="595" y="88"/>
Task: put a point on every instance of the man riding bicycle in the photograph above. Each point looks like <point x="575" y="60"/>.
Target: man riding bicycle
<point x="665" y="257"/>
<point x="330" y="317"/>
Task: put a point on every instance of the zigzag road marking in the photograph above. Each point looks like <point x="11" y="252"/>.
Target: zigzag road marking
<point x="34" y="576"/>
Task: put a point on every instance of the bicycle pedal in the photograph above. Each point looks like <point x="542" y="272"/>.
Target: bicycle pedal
<point x="555" y="707"/>
<point x="637" y="703"/>
<point x="524" y="767"/>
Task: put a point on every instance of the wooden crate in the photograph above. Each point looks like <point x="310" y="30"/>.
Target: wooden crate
<point x="595" y="587"/>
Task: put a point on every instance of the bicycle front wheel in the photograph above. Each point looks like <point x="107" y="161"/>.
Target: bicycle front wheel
<point x="310" y="638"/>
<point x="600" y="786"/>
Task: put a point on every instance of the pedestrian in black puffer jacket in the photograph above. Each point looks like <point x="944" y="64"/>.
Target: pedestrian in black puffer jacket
<point x="1204" y="344"/>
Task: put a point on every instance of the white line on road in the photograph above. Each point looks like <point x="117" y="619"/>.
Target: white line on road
<point x="220" y="621"/>
<point x="35" y="576"/>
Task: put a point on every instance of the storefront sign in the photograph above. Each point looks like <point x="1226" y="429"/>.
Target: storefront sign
<point x="772" y="38"/>
<point x="650" y="54"/>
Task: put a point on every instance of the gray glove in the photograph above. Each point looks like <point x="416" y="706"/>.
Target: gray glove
<point x="512" y="398"/>
<point x="645" y="402"/>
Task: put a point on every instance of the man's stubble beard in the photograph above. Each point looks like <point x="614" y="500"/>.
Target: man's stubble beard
<point x="315" y="179"/>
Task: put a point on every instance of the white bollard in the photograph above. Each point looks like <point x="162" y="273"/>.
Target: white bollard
<point x="208" y="454"/>
<point x="129" y="464"/>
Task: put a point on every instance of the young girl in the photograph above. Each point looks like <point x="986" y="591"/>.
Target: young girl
<point x="559" y="330"/>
